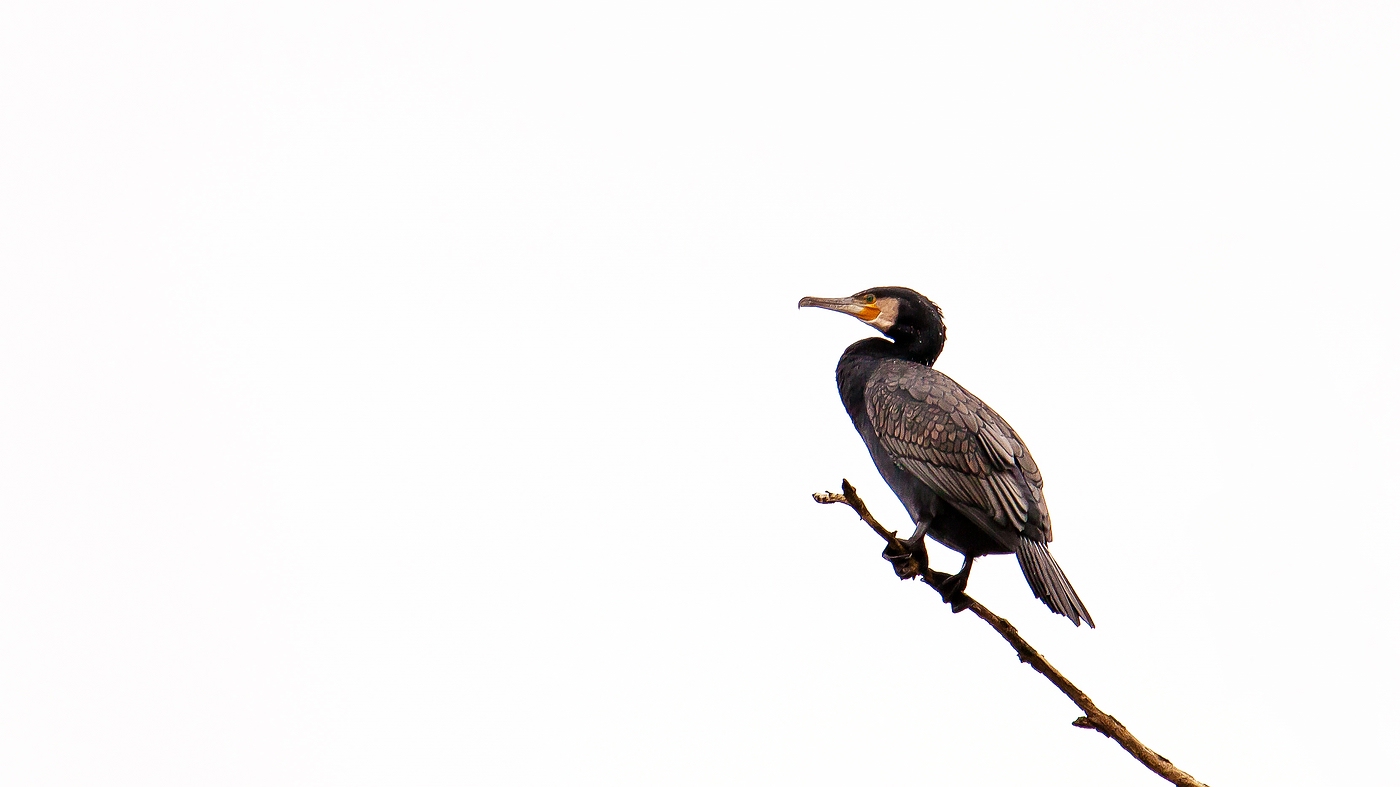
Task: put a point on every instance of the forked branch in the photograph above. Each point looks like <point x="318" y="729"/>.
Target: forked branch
<point x="1093" y="719"/>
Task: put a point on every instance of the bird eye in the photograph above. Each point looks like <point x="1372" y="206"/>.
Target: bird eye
<point x="870" y="299"/>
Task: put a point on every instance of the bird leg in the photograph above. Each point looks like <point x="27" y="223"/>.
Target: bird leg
<point x="908" y="556"/>
<point x="957" y="583"/>
<point x="952" y="586"/>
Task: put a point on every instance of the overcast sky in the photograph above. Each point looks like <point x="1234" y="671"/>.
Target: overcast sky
<point x="415" y="394"/>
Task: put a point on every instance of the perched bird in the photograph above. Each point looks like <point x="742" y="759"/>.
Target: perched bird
<point x="961" y="471"/>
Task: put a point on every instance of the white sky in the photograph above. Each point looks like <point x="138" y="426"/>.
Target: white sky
<point x="404" y="394"/>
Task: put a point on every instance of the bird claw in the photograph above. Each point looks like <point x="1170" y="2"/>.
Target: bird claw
<point x="956" y="599"/>
<point x="952" y="584"/>
<point x="953" y="587"/>
<point x="908" y="558"/>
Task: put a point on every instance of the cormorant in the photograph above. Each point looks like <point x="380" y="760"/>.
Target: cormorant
<point x="962" y="472"/>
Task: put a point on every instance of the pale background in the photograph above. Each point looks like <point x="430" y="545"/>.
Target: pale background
<point x="403" y="394"/>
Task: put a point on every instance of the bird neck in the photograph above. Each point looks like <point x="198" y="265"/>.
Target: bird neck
<point x="859" y="362"/>
<point x="923" y="350"/>
<point x="920" y="347"/>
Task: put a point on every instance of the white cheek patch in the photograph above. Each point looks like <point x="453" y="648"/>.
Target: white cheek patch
<point x="889" y="312"/>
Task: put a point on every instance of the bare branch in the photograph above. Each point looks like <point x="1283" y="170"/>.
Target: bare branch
<point x="1093" y="719"/>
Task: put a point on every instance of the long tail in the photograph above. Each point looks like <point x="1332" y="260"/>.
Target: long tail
<point x="1048" y="582"/>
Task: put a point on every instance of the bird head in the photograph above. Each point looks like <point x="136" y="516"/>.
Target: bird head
<point x="913" y="322"/>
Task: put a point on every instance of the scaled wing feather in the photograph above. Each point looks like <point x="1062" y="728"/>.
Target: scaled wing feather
<point x="952" y="441"/>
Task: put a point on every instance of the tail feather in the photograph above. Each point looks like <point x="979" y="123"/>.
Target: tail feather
<point x="1048" y="582"/>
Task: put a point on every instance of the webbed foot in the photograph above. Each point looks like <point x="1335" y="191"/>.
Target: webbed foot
<point x="908" y="557"/>
<point x="953" y="583"/>
<point x="953" y="587"/>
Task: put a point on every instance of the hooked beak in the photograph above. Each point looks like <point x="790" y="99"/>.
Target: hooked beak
<point x="851" y="306"/>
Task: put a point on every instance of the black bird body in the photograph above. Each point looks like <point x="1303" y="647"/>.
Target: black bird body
<point x="961" y="471"/>
<point x="915" y="405"/>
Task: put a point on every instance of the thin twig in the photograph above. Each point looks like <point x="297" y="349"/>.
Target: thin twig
<point x="897" y="552"/>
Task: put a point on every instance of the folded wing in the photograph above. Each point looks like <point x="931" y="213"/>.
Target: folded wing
<point x="966" y="452"/>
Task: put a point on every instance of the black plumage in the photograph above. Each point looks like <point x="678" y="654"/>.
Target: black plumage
<point x="962" y="472"/>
